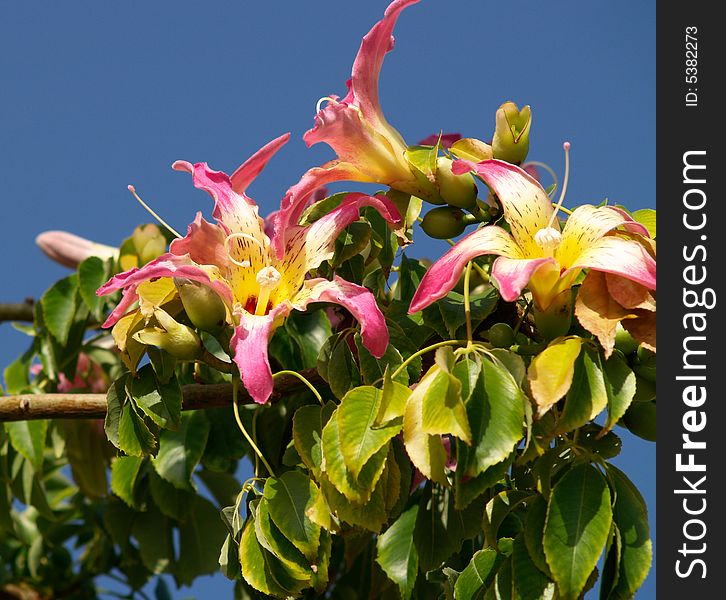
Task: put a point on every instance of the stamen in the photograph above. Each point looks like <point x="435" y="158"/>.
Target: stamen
<point x="268" y="279"/>
<point x="244" y="263"/>
<point x="548" y="239"/>
<point x="566" y="147"/>
<point x="318" y="106"/>
<point x="132" y="189"/>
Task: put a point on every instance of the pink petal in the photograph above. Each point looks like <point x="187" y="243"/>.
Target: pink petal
<point x="527" y="208"/>
<point x="70" y="250"/>
<point x="249" y="346"/>
<point x="296" y="199"/>
<point x="167" y="265"/>
<point x="512" y="275"/>
<point x="252" y="167"/>
<point x="238" y="212"/>
<point x="309" y="246"/>
<point x="447" y="139"/>
<point x="613" y="254"/>
<point x="204" y="243"/>
<point x="444" y="274"/>
<point x="359" y="302"/>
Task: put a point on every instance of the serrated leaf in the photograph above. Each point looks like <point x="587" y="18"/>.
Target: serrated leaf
<point x="393" y="400"/>
<point x="647" y="217"/>
<point x="620" y="384"/>
<point x="550" y="373"/>
<point x="307" y="429"/>
<point x="534" y="532"/>
<point x="28" y="438"/>
<point x="359" y="439"/>
<point x="173" y="502"/>
<point x="309" y="332"/>
<point x="153" y="532"/>
<point x="372" y="368"/>
<point x="452" y="311"/>
<point x="134" y="437"/>
<point x="587" y="396"/>
<point x="529" y="582"/>
<point x="443" y="411"/>
<point x="289" y="497"/>
<point x="630" y="515"/>
<point x="502" y="504"/>
<point x="496" y="415"/>
<point x="161" y="402"/>
<point x="180" y="451"/>
<point x="17" y="374"/>
<point x="86" y="449"/>
<point x="59" y="307"/>
<point x="396" y="552"/>
<point x="579" y="516"/>
<point x="92" y="274"/>
<point x="115" y="399"/>
<point x="469" y="489"/>
<point x="124" y="471"/>
<point x="475" y="578"/>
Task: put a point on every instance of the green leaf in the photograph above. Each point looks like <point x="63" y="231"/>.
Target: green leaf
<point x="534" y="532"/>
<point x="410" y="273"/>
<point x="359" y="439"/>
<point x="17" y="373"/>
<point x="551" y="371"/>
<point x="441" y="528"/>
<point x="502" y="504"/>
<point x="587" y="395"/>
<point x="115" y="399"/>
<point x="630" y="514"/>
<point x="321" y="208"/>
<point x="396" y="552"/>
<point x="28" y="438"/>
<point x="337" y="366"/>
<point x="309" y="332"/>
<point x="180" y="451"/>
<point x="92" y="274"/>
<point x="289" y="497"/>
<point x="134" y="437"/>
<point x="452" y="312"/>
<point x="578" y="521"/>
<point x="161" y="402"/>
<point x="259" y="568"/>
<point x="224" y="442"/>
<point x="59" y="307"/>
<point x="352" y="241"/>
<point x="372" y="368"/>
<point x="646" y="216"/>
<point x="153" y="532"/>
<point x="307" y="430"/>
<point x="124" y="471"/>
<point x="496" y="416"/>
<point x="393" y="400"/>
<point x="117" y="519"/>
<point x="356" y="489"/>
<point x="173" y="502"/>
<point x="469" y="489"/>
<point x="86" y="449"/>
<point x="201" y="536"/>
<point x="620" y="386"/>
<point x="529" y="581"/>
<point x="476" y="577"/>
<point x="443" y="411"/>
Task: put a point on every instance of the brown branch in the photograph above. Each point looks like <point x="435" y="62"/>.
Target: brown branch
<point x="18" y="311"/>
<point x="29" y="407"/>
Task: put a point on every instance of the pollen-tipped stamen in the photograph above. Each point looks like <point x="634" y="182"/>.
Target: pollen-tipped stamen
<point x="132" y="189"/>
<point x="268" y="279"/>
<point x="244" y="263"/>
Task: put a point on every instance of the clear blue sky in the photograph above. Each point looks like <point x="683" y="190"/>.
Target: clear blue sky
<point x="97" y="95"/>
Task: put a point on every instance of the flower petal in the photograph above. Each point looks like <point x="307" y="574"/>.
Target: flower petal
<point x="613" y="254"/>
<point x="167" y="265"/>
<point x="251" y="168"/>
<point x="249" y="347"/>
<point x="204" y="243"/>
<point x="359" y="302"/>
<point x="238" y="213"/>
<point x="513" y="274"/>
<point x="527" y="208"/>
<point x="309" y="246"/>
<point x="444" y="274"/>
<point x="586" y="225"/>
<point x="296" y="199"/>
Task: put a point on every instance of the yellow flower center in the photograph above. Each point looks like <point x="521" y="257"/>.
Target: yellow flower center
<point x="548" y="239"/>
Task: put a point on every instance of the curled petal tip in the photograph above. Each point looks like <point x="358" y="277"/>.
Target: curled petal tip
<point x="182" y="165"/>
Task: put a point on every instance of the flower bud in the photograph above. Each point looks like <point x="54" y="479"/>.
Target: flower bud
<point x="202" y="304"/>
<point x="457" y="190"/>
<point x="149" y="242"/>
<point x="444" y="222"/>
<point x="511" y="136"/>
<point x="556" y="319"/>
<point x="177" y="339"/>
<point x="71" y="250"/>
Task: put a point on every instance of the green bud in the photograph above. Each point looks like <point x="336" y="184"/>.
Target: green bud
<point x="556" y="320"/>
<point x="644" y="364"/>
<point x="457" y="190"/>
<point x="501" y="335"/>
<point x="149" y="242"/>
<point x="202" y="304"/>
<point x="444" y="222"/>
<point x="625" y="342"/>
<point x="511" y="136"/>
<point x="177" y="339"/>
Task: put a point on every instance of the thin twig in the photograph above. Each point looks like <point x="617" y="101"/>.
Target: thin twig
<point x="30" y="407"/>
<point x="17" y="311"/>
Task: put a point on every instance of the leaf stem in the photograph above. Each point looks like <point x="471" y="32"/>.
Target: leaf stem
<point x="305" y="381"/>
<point x="423" y="351"/>
<point x="467" y="305"/>
<point x="525" y="312"/>
<point x="235" y="385"/>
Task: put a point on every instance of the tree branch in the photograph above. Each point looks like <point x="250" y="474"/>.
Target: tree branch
<point x="30" y="407"/>
<point x="18" y="311"/>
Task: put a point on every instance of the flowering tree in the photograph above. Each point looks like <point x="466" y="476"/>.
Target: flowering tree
<point x="417" y="430"/>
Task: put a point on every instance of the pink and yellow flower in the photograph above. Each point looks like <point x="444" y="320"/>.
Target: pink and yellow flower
<point x="535" y="254"/>
<point x="259" y="287"/>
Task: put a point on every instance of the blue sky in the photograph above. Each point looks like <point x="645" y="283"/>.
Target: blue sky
<point x="94" y="96"/>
